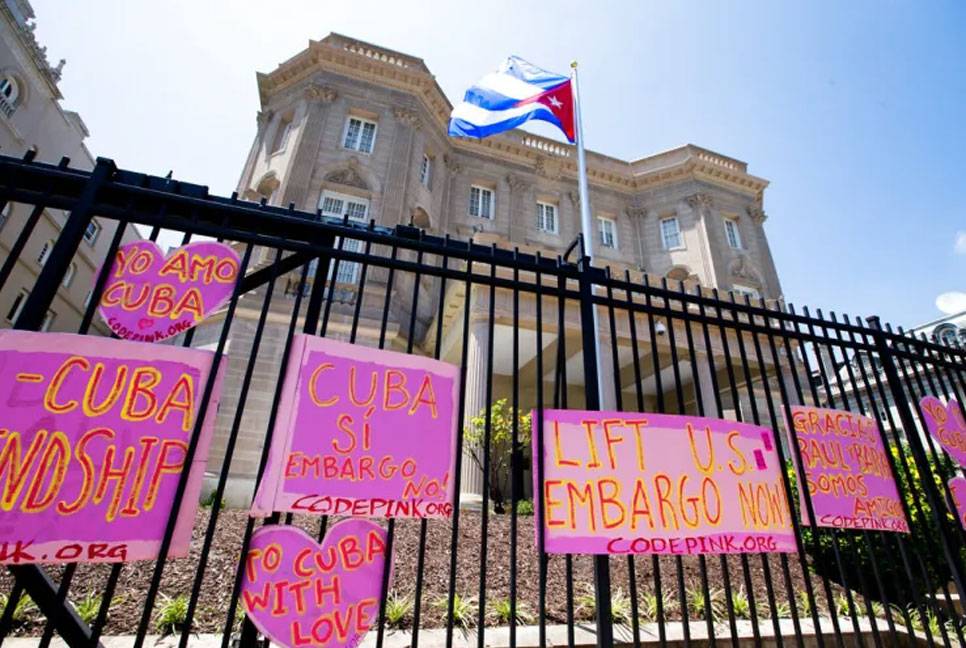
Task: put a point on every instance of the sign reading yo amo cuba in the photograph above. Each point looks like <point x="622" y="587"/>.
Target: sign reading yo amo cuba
<point x="149" y="297"/>
<point x="618" y="483"/>
<point x="362" y="432"/>
<point x="93" y="441"/>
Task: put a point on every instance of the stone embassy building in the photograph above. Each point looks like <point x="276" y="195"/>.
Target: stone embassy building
<point x="352" y="128"/>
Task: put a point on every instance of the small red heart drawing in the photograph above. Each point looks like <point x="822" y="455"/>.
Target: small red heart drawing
<point x="150" y="297"/>
<point x="329" y="592"/>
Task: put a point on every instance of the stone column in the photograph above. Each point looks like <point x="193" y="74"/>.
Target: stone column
<point x="518" y="223"/>
<point x="701" y="205"/>
<point x="706" y="384"/>
<point x="477" y="372"/>
<point x="295" y="184"/>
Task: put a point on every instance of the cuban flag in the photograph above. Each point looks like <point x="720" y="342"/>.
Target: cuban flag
<point x="517" y="92"/>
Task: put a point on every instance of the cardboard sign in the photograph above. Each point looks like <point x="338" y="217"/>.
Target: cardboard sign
<point x="93" y="440"/>
<point x="846" y="470"/>
<point x="362" y="432"/>
<point x="957" y="486"/>
<point x="618" y="483"/>
<point x="945" y="423"/>
<point x="149" y="297"/>
<point x="298" y="593"/>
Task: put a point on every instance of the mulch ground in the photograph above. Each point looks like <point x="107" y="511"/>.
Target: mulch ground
<point x="179" y="574"/>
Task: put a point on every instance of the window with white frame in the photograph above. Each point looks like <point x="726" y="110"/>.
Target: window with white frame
<point x="481" y="202"/>
<point x="741" y="289"/>
<point x="282" y="132"/>
<point x="360" y="135"/>
<point x="608" y="232"/>
<point x="671" y="234"/>
<point x="547" y="217"/>
<point x="9" y="91"/>
<point x="90" y="234"/>
<point x="17" y="305"/>
<point x="425" y="170"/>
<point x="45" y="252"/>
<point x="732" y="233"/>
<point x="69" y="275"/>
<point x="48" y="320"/>
<point x="357" y="209"/>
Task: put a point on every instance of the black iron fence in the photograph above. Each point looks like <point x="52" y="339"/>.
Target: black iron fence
<point x="520" y="327"/>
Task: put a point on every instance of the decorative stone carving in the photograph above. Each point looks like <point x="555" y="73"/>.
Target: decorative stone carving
<point x="263" y="117"/>
<point x="700" y="201"/>
<point x="452" y="164"/>
<point x="516" y="183"/>
<point x="349" y="176"/>
<point x="756" y="214"/>
<point x="742" y="268"/>
<point x="406" y="116"/>
<point x="574" y="199"/>
<point x="316" y="92"/>
<point x="637" y="212"/>
<point x="547" y="167"/>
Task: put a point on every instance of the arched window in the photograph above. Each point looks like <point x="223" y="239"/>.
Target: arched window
<point x="9" y="93"/>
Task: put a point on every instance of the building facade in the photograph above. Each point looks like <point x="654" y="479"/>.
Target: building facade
<point x="355" y="130"/>
<point x="32" y="119"/>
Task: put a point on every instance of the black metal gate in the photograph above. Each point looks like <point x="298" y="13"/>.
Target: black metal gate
<point x="478" y="578"/>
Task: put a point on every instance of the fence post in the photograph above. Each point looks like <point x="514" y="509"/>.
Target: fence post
<point x="33" y="578"/>
<point x="589" y="330"/>
<point x="936" y="502"/>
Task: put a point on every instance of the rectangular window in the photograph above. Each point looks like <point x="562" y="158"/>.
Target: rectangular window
<point x="90" y="234"/>
<point x="360" y="135"/>
<point x="732" y="233"/>
<point x="608" y="232"/>
<point x="671" y="234"/>
<point x="48" y="321"/>
<point x="17" y="306"/>
<point x="424" y="170"/>
<point x="547" y="217"/>
<point x="357" y="209"/>
<point x="481" y="202"/>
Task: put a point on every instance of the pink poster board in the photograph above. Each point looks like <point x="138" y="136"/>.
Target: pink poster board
<point x="846" y="470"/>
<point x="957" y="486"/>
<point x="362" y="432"/>
<point x="945" y="423"/>
<point x="92" y="443"/>
<point x="619" y="482"/>
<point x="150" y="297"/>
<point x="299" y="593"/>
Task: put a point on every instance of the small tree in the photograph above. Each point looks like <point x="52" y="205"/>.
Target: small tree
<point x="502" y="417"/>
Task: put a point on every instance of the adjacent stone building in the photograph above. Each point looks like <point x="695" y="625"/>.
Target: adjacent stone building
<point x="31" y="118"/>
<point x="356" y="130"/>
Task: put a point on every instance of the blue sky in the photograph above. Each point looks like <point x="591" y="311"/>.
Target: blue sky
<point x="856" y="112"/>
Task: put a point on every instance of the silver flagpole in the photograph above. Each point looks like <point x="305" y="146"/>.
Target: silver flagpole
<point x="586" y="224"/>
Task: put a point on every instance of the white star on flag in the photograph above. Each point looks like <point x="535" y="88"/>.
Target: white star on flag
<point x="554" y="102"/>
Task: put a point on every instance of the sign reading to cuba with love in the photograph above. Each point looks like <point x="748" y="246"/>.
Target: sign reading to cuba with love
<point x="298" y="593"/>
<point x="626" y="483"/>
<point x="362" y="432"/>
<point x="847" y="471"/>
<point x="149" y="297"/>
<point x="957" y="486"/>
<point x="93" y="441"/>
<point x="945" y="423"/>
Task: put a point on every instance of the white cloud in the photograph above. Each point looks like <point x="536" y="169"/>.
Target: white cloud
<point x="960" y="244"/>
<point x="951" y="302"/>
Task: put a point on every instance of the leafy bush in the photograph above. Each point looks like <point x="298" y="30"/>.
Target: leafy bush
<point x="525" y="507"/>
<point x="172" y="614"/>
<point x="740" y="605"/>
<point x="621" y="609"/>
<point x="88" y="607"/>
<point x="502" y="418"/>
<point x="398" y="609"/>
<point x="500" y="610"/>
<point x="464" y="610"/>
<point x="24" y="609"/>
<point x="648" y="606"/>
<point x="699" y="606"/>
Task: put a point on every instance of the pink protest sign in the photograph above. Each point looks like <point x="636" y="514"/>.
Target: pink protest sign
<point x="846" y="470"/>
<point x="619" y="483"/>
<point x="945" y="423"/>
<point x="362" y="432"/>
<point x="300" y="593"/>
<point x="149" y="297"/>
<point x="957" y="486"/>
<point x="93" y="442"/>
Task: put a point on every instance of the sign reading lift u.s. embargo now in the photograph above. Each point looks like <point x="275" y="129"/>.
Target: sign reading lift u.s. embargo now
<point x="618" y="483"/>
<point x="94" y="435"/>
<point x="362" y="432"/>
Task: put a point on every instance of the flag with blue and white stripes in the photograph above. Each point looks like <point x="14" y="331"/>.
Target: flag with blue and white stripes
<point x="516" y="93"/>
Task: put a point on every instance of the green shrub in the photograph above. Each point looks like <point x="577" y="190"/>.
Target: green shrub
<point x="649" y="609"/>
<point x="699" y="606"/>
<point x="525" y="507"/>
<point x="398" y="609"/>
<point x="500" y="610"/>
<point x="24" y="609"/>
<point x="172" y="614"/>
<point x="502" y="419"/>
<point x="740" y="605"/>
<point x="464" y="610"/>
<point x="621" y="610"/>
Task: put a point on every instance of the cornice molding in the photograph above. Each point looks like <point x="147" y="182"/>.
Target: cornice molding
<point x="756" y="214"/>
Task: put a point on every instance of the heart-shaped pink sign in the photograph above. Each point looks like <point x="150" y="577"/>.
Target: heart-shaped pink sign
<point x="150" y="297"/>
<point x="946" y="424"/>
<point x="299" y="593"/>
